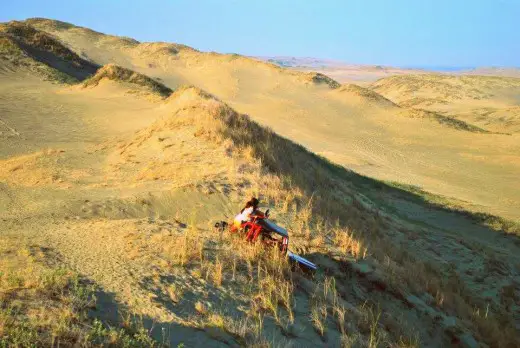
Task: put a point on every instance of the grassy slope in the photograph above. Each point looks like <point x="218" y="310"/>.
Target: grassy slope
<point x="313" y="200"/>
<point x="41" y="305"/>
<point x="122" y="75"/>
<point x="23" y="44"/>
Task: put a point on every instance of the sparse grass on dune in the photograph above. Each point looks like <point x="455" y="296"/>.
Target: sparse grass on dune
<point x="369" y="96"/>
<point x="24" y="45"/>
<point x="120" y="74"/>
<point x="270" y="287"/>
<point x="443" y="120"/>
<point x="327" y="192"/>
<point x="8" y="47"/>
<point x="321" y="79"/>
<point x="365" y="94"/>
<point x="369" y="286"/>
<point x="26" y="34"/>
<point x="51" y="25"/>
<point x="45" y="306"/>
<point x="443" y="86"/>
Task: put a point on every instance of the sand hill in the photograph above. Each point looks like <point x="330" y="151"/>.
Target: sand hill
<point x="23" y="44"/>
<point x="118" y="74"/>
<point x="354" y="93"/>
<point x="380" y="143"/>
<point x="479" y="100"/>
<point x="108" y="202"/>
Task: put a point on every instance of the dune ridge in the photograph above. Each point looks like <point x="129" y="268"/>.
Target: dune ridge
<point x="120" y="220"/>
<point x="22" y="39"/>
<point x="119" y="74"/>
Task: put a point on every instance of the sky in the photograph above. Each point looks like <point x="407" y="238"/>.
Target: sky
<point x="407" y="33"/>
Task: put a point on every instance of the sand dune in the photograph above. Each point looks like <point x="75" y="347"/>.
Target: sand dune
<point x="122" y="75"/>
<point x="286" y="100"/>
<point x="480" y="100"/>
<point x="124" y="192"/>
<point x="342" y="72"/>
<point x="36" y="48"/>
<point x="354" y="93"/>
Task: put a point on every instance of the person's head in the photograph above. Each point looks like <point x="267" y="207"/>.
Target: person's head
<point x="251" y="203"/>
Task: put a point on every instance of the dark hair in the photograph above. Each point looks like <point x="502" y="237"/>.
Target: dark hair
<point x="248" y="204"/>
<point x="252" y="203"/>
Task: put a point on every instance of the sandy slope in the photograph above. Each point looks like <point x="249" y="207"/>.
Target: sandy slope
<point x="366" y="138"/>
<point x="106" y="175"/>
<point x="126" y="166"/>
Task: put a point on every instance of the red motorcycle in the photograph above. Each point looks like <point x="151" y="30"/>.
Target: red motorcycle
<point x="261" y="229"/>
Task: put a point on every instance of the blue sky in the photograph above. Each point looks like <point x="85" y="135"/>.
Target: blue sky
<point x="431" y="33"/>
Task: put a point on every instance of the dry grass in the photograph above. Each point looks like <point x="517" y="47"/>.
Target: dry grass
<point x="184" y="249"/>
<point x="345" y="240"/>
<point x="365" y="94"/>
<point x="40" y="306"/>
<point x="30" y="36"/>
<point x="262" y="275"/>
<point x="320" y="79"/>
<point x="175" y="293"/>
<point x="36" y="46"/>
<point x="119" y="74"/>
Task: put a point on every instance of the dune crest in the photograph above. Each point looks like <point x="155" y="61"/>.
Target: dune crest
<point x="364" y="95"/>
<point x="25" y="46"/>
<point x="119" y="74"/>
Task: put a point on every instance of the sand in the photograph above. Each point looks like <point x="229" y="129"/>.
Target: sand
<point x="106" y="174"/>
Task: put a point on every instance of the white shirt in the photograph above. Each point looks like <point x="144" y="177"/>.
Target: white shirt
<point x="245" y="215"/>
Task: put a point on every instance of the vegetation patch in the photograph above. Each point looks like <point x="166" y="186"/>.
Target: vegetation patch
<point x="445" y="120"/>
<point x="366" y="94"/>
<point x="321" y="79"/>
<point x="119" y="74"/>
<point x="43" y="53"/>
<point x="43" y="306"/>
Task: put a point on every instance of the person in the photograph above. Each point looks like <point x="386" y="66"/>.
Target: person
<point x="246" y="213"/>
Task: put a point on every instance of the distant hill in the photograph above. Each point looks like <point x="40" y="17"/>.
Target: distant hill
<point x="493" y="71"/>
<point x="341" y="71"/>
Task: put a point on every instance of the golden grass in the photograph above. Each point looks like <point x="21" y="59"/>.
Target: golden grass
<point x="119" y="74"/>
<point x="322" y="191"/>
<point x="184" y="249"/>
<point x="175" y="293"/>
<point x="345" y="240"/>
